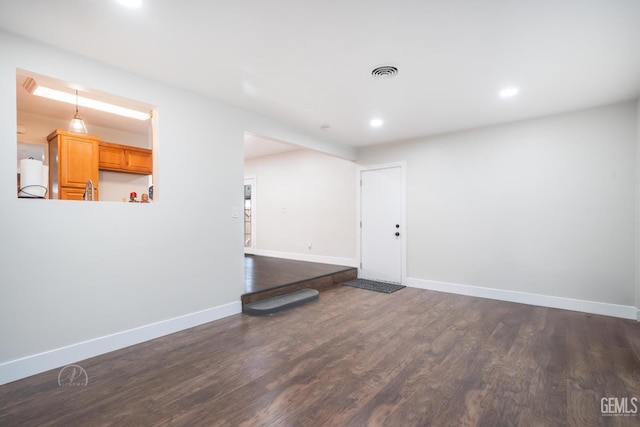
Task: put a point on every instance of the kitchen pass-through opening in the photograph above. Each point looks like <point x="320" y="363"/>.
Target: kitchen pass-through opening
<point x="82" y="144"/>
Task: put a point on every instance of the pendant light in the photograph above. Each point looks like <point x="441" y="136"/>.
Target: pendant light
<point x="77" y="125"/>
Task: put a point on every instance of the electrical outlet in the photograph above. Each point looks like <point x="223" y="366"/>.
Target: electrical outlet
<point x="309" y="245"/>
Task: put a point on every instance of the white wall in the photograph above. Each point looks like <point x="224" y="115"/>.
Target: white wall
<point x="78" y="279"/>
<point x="117" y="186"/>
<point x="544" y="207"/>
<point x="305" y="197"/>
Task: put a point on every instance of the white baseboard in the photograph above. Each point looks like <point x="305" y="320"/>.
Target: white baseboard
<point x="42" y="362"/>
<point x="349" y="262"/>
<point x="614" y="310"/>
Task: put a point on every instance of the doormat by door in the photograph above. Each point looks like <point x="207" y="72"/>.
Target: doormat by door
<point x="374" y="286"/>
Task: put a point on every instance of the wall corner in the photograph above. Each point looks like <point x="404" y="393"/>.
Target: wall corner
<point x="637" y="208"/>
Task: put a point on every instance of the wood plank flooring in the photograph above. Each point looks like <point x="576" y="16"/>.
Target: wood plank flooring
<point x="356" y="358"/>
<point x="265" y="273"/>
<point x="266" y="277"/>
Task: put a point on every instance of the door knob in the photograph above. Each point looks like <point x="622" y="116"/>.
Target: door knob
<point x="397" y="225"/>
<point x="397" y="234"/>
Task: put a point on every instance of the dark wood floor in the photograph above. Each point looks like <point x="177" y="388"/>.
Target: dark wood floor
<point x="356" y="358"/>
<point x="263" y="273"/>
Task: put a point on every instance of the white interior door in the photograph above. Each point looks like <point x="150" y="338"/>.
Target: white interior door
<point x="381" y="224"/>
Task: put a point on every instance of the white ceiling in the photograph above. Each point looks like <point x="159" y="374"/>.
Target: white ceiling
<point x="257" y="146"/>
<point x="308" y="63"/>
<point x="94" y="119"/>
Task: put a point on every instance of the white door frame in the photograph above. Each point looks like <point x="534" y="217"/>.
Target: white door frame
<point x="254" y="214"/>
<point x="403" y="210"/>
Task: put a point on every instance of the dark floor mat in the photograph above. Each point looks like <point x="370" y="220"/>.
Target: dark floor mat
<point x="374" y="286"/>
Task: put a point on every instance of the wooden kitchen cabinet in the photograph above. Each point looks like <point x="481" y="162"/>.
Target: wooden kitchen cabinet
<point x="73" y="161"/>
<point x="139" y="161"/>
<point x="125" y="158"/>
<point x="70" y="193"/>
<point x="111" y="157"/>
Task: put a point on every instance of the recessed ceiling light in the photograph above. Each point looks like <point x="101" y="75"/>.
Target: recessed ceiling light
<point x="376" y="123"/>
<point x="130" y="3"/>
<point x="508" y="92"/>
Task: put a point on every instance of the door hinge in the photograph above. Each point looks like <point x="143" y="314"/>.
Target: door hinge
<point x="360" y="224"/>
<point x="360" y="266"/>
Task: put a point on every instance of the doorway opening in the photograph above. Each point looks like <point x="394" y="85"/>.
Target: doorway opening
<point x="304" y="210"/>
<point x="249" y="214"/>
<point x="256" y="147"/>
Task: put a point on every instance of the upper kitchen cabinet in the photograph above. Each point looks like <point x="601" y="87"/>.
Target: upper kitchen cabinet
<point x="124" y="158"/>
<point x="74" y="162"/>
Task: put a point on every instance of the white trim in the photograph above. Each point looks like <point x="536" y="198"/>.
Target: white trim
<point x="349" y="262"/>
<point x="402" y="164"/>
<point x="606" y="309"/>
<point x="30" y="365"/>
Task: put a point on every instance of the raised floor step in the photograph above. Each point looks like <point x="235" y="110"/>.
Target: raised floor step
<point x="280" y="302"/>
<point x="320" y="283"/>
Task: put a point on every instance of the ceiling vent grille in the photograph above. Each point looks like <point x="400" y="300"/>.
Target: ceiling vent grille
<point x="384" y="72"/>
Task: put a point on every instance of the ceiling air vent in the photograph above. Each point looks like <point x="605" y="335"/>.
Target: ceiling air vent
<point x="384" y="72"/>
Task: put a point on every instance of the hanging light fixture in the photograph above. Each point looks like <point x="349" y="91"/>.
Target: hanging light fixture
<point x="77" y="125"/>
